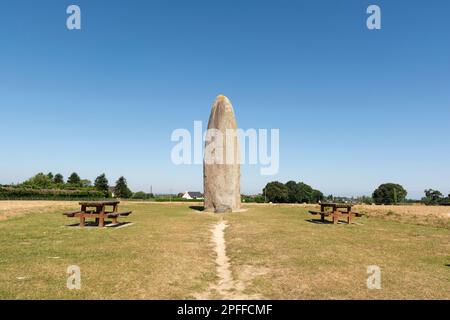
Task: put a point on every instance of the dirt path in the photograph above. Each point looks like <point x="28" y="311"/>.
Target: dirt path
<point x="226" y="288"/>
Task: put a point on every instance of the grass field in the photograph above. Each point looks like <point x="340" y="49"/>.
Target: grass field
<point x="275" y="252"/>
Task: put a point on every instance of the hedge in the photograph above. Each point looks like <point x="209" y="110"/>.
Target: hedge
<point x="9" y="193"/>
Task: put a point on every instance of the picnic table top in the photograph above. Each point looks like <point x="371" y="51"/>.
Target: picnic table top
<point x="336" y="205"/>
<point x="99" y="203"/>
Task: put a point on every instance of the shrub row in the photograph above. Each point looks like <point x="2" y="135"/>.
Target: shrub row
<point x="10" y="193"/>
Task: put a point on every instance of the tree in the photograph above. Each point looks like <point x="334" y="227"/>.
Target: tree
<point x="305" y="193"/>
<point x="432" y="197"/>
<point x="50" y="175"/>
<point x="317" y="196"/>
<point x="39" y="181"/>
<point x="58" y="179"/>
<point x="121" y="189"/>
<point x="276" y="192"/>
<point x="102" y="184"/>
<point x="389" y="193"/>
<point x="259" y="198"/>
<point x="293" y="191"/>
<point x="74" y="179"/>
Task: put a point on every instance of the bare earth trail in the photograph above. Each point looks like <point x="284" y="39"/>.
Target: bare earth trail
<point x="227" y="287"/>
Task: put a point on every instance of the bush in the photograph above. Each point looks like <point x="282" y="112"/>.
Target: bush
<point x="140" y="195"/>
<point x="389" y="193"/>
<point x="23" y="193"/>
<point x="292" y="192"/>
<point x="276" y="192"/>
<point x="433" y="197"/>
<point x="39" y="181"/>
<point x="252" y="199"/>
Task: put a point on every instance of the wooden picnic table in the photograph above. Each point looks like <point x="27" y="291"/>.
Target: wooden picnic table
<point x="336" y="211"/>
<point x="98" y="210"/>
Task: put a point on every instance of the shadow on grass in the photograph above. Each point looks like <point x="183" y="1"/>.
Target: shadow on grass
<point x="92" y="224"/>
<point x="318" y="221"/>
<point x="197" y="208"/>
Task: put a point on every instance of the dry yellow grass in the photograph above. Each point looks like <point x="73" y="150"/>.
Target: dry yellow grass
<point x="408" y="210"/>
<point x="275" y="250"/>
<point x="303" y="259"/>
<point x="417" y="214"/>
<point x="166" y="254"/>
<point x="438" y="216"/>
<point x="10" y="209"/>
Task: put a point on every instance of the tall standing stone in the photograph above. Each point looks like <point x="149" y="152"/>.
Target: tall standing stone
<point x="221" y="167"/>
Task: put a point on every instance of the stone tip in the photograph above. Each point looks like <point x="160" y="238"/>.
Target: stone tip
<point x="222" y="98"/>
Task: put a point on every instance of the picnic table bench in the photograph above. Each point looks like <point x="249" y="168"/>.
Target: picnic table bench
<point x="337" y="210"/>
<point x="97" y="210"/>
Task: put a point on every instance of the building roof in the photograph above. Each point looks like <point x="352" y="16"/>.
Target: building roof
<point x="195" y="194"/>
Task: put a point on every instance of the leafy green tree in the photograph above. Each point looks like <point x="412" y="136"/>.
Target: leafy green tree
<point x="50" y="175"/>
<point x="293" y="191"/>
<point x="121" y="189"/>
<point x="41" y="181"/>
<point x="58" y="179"/>
<point x="276" y="192"/>
<point x="74" y="179"/>
<point x="102" y="184"/>
<point x="433" y="197"/>
<point x="389" y="193"/>
<point x="305" y="193"/>
<point x="317" y="196"/>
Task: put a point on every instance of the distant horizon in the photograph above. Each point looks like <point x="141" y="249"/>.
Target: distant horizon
<point x="355" y="108"/>
<point x="151" y="188"/>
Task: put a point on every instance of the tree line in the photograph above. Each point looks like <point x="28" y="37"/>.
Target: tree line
<point x="300" y="192"/>
<point x="54" y="186"/>
<point x="392" y="193"/>
<point x="291" y="192"/>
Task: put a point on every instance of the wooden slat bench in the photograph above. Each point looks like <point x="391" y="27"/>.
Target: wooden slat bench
<point x="115" y="215"/>
<point x="71" y="214"/>
<point x="356" y="214"/>
<point x="326" y="213"/>
<point x="322" y="214"/>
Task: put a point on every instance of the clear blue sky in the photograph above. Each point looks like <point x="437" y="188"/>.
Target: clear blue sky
<point x="355" y="108"/>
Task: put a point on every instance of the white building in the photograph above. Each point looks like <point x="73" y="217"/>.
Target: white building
<point x="189" y="195"/>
